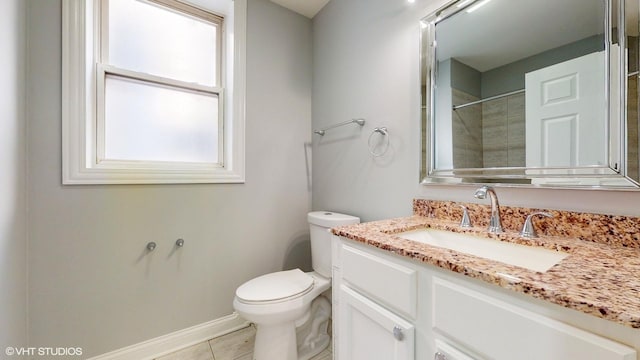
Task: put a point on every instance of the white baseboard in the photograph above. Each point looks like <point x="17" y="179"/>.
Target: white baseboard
<point x="169" y="343"/>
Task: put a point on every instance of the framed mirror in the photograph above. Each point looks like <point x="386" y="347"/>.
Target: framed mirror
<point x="531" y="93"/>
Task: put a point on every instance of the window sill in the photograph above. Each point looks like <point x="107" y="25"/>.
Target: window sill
<point x="150" y="176"/>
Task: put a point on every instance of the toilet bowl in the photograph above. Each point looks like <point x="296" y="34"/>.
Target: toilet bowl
<point x="276" y="318"/>
<point x="279" y="303"/>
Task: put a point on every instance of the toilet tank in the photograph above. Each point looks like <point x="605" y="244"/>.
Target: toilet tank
<point x="319" y="224"/>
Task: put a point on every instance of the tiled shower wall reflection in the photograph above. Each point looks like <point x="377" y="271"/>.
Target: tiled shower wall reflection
<point x="491" y="134"/>
<point x="467" y="132"/>
<point x="503" y="131"/>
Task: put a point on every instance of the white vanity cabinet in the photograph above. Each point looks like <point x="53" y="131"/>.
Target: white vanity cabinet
<point x="390" y="307"/>
<point x="374" y="302"/>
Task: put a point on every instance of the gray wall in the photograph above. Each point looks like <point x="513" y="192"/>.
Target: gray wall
<point x="457" y="147"/>
<point x="511" y="77"/>
<point x="465" y="78"/>
<point x="90" y="283"/>
<point x="366" y="64"/>
<point x="13" y="235"/>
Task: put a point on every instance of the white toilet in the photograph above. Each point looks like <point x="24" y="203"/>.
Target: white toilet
<point x="289" y="314"/>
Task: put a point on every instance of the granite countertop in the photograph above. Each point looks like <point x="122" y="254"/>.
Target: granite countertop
<point x="596" y="278"/>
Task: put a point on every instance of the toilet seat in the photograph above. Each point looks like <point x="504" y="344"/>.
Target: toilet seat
<point x="275" y="287"/>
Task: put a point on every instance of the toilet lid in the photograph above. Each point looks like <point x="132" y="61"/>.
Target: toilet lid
<point x="275" y="286"/>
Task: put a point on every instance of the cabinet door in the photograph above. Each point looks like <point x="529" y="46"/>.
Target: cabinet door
<point x="370" y="332"/>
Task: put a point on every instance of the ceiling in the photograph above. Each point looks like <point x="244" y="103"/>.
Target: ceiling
<point x="504" y="31"/>
<point x="308" y="8"/>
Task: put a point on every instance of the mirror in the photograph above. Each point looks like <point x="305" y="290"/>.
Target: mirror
<point x="531" y="92"/>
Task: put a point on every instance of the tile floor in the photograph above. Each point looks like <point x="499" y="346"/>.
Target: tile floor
<point x="237" y="345"/>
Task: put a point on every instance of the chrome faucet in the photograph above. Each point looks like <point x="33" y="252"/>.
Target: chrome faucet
<point x="528" y="230"/>
<point x="495" y="226"/>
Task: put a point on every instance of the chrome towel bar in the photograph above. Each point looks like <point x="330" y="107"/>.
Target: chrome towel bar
<point x="352" y="121"/>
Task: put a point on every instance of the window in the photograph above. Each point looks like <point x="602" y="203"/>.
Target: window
<point x="149" y="93"/>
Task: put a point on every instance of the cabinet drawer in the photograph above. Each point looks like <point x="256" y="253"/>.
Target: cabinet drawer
<point x="389" y="283"/>
<point x="498" y="330"/>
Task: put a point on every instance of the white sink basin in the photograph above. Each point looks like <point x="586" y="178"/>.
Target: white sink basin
<point x="529" y="257"/>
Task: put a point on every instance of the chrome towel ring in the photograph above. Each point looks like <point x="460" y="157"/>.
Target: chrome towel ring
<point x="385" y="143"/>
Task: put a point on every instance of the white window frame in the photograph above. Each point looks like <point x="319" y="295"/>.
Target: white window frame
<point x="83" y="76"/>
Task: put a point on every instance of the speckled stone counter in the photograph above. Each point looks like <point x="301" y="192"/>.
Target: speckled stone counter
<point x="601" y="276"/>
